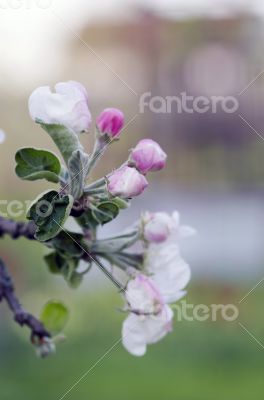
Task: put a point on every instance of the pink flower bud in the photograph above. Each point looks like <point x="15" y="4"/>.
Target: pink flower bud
<point x="157" y="227"/>
<point x="148" y="156"/>
<point x="111" y="122"/>
<point x="160" y="227"/>
<point x="126" y="182"/>
<point x="68" y="106"/>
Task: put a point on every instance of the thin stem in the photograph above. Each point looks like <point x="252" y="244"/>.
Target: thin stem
<point x="99" y="149"/>
<point x="92" y="192"/>
<point x="96" y="184"/>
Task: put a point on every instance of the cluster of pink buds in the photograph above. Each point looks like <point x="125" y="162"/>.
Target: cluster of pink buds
<point x="129" y="180"/>
<point x="68" y="107"/>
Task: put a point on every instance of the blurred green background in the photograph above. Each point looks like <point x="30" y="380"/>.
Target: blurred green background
<point x="215" y="174"/>
<point x="199" y="360"/>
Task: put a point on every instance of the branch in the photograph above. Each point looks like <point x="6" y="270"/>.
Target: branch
<point x="27" y="230"/>
<point x="22" y="317"/>
<point x="40" y="337"/>
<point x="17" y="229"/>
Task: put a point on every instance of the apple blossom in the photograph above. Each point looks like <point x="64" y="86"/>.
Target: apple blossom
<point x="68" y="106"/>
<point x="150" y="318"/>
<point x="126" y="182"/>
<point x="111" y="122"/>
<point x="148" y="156"/>
<point x="159" y="227"/>
<point x="147" y="253"/>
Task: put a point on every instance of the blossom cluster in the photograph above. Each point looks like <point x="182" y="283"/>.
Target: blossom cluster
<point x="162" y="281"/>
<point x="68" y="106"/>
<point x="156" y="276"/>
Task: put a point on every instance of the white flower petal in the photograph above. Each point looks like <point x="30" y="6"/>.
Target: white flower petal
<point x="186" y="231"/>
<point x="133" y="337"/>
<point x="68" y="106"/>
<point x="169" y="272"/>
<point x="172" y="280"/>
<point x="161" y="255"/>
<point x="139" y="331"/>
<point x="142" y="295"/>
<point x="157" y="326"/>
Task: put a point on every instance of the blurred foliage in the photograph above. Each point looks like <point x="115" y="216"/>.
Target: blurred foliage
<point x="198" y="361"/>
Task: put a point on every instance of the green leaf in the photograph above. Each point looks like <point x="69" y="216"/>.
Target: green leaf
<point x="66" y="267"/>
<point x="54" y="316"/>
<point x="55" y="262"/>
<point x="78" y="168"/>
<point x="66" y="140"/>
<point x="69" y="244"/>
<point x="76" y="280"/>
<point x="87" y="221"/>
<point x="34" y="164"/>
<point x="105" y="212"/>
<point x="50" y="212"/>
